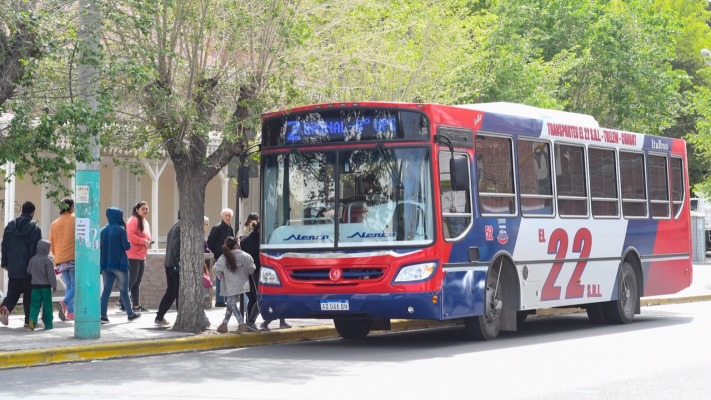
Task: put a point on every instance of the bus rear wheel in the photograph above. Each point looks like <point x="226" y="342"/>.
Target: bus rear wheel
<point x="487" y="326"/>
<point x="621" y="311"/>
<point x="353" y="328"/>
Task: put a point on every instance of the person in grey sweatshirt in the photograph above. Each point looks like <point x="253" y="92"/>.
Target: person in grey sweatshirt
<point x="44" y="282"/>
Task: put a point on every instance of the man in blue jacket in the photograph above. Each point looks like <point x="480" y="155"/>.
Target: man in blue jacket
<point x="19" y="244"/>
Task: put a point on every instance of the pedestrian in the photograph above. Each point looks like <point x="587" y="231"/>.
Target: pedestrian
<point x="114" y="262"/>
<point x="19" y="244"/>
<point x="44" y="282"/>
<point x="215" y="240"/>
<point x="139" y="235"/>
<point x="172" y="273"/>
<point x="61" y="245"/>
<point x="250" y="244"/>
<point x="234" y="268"/>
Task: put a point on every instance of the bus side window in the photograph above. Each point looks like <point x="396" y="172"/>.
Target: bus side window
<point x="658" y="186"/>
<point x="570" y="180"/>
<point x="497" y="194"/>
<point x="677" y="176"/>
<point x="603" y="182"/>
<point x="534" y="174"/>
<point x="632" y="177"/>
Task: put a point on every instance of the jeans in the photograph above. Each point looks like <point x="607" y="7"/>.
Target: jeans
<point x="121" y="278"/>
<point x="68" y="276"/>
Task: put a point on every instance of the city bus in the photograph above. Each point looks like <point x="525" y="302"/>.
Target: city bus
<point x="479" y="213"/>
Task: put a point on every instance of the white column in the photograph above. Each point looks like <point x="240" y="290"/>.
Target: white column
<point x="155" y="169"/>
<point x="9" y="205"/>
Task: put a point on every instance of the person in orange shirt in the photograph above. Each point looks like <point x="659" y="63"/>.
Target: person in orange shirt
<point x="61" y="239"/>
<point x="139" y="235"/>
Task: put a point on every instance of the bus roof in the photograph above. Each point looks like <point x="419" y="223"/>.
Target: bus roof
<point x="522" y="110"/>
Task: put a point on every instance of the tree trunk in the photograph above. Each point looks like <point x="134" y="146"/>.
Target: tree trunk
<point x="191" y="194"/>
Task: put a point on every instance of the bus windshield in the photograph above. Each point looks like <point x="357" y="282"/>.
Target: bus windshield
<point x="378" y="196"/>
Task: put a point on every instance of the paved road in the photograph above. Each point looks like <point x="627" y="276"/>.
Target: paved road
<point x="663" y="355"/>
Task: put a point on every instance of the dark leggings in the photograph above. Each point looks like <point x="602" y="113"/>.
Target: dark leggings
<point x="252" y="309"/>
<point x="135" y="276"/>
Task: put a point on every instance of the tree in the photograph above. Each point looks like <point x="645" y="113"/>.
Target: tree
<point x="37" y="41"/>
<point x="189" y="73"/>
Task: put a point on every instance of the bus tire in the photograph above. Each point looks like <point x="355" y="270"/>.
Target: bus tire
<point x="487" y="326"/>
<point x="622" y="310"/>
<point x="353" y="328"/>
<point x="596" y="313"/>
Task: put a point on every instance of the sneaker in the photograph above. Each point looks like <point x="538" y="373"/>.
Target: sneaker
<point x="26" y="325"/>
<point x="222" y="328"/>
<point x="241" y="328"/>
<point x="161" y="321"/>
<point x="251" y="327"/>
<point x="139" y="308"/>
<point x="265" y="327"/>
<point x="119" y="306"/>
<point x="31" y="325"/>
<point x="3" y="315"/>
<point x="70" y="316"/>
<point x="284" y="325"/>
<point x="104" y="320"/>
<point x="133" y="316"/>
<point x="62" y="310"/>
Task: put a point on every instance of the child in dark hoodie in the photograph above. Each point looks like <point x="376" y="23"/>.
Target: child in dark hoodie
<point x="41" y="268"/>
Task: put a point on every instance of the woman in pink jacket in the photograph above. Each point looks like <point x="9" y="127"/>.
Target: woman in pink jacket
<point x="139" y="235"/>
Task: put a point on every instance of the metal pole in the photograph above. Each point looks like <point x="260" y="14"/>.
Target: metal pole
<point x="87" y="203"/>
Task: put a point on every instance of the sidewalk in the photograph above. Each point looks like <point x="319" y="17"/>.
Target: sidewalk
<point x="20" y="347"/>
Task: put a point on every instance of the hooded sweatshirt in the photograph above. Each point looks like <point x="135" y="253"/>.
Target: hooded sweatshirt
<point x="41" y="267"/>
<point x="19" y="244"/>
<point x="114" y="242"/>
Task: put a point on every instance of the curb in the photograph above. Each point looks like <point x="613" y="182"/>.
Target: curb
<point x="212" y="341"/>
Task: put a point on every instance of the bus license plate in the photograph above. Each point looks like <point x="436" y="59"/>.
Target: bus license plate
<point x="334" y="305"/>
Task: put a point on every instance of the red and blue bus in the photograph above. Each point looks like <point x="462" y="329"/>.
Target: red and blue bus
<point x="481" y="213"/>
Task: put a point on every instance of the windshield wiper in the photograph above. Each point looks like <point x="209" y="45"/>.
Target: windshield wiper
<point x="389" y="162"/>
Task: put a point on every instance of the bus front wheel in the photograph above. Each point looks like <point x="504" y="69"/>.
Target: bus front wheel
<point x="487" y="326"/>
<point x="622" y="310"/>
<point x="353" y="328"/>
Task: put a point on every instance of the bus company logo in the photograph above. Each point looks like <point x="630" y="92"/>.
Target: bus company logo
<point x="308" y="237"/>
<point x="658" y="144"/>
<point x="503" y="237"/>
<point x="489" y="233"/>
<point x="370" y="235"/>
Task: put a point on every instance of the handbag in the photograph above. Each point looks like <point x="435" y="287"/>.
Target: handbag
<point x="206" y="282"/>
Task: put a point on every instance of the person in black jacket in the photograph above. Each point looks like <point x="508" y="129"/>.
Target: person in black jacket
<point x="172" y="273"/>
<point x="19" y="244"/>
<point x="215" y="240"/>
<point x="250" y="245"/>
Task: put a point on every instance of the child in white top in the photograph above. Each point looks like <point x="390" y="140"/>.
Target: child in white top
<point x="234" y="268"/>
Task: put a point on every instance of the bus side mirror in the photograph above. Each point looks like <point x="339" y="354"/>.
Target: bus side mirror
<point x="459" y="173"/>
<point x="243" y="181"/>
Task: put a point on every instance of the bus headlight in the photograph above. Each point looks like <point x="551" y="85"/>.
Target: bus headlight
<point x="268" y="276"/>
<point x="416" y="272"/>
